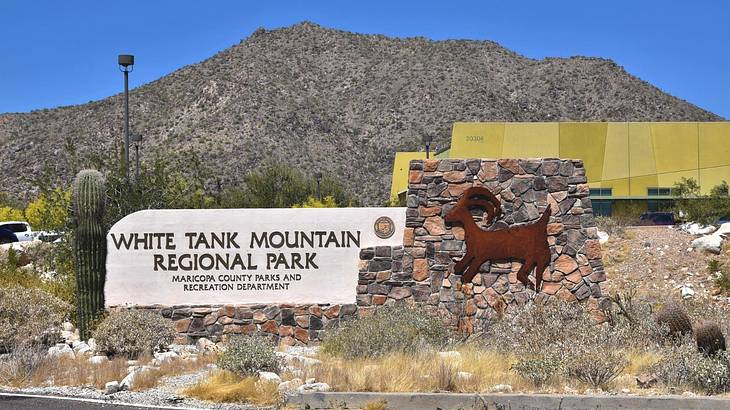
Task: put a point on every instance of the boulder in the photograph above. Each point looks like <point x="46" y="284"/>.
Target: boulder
<point x="128" y="381"/>
<point x="708" y="243"/>
<point x="314" y="387"/>
<point x="269" y="377"/>
<point x="602" y="237"/>
<point x="694" y="228"/>
<point x="98" y="359"/>
<point x="501" y="388"/>
<point x="290" y="386"/>
<point x="111" y="387"/>
<point x="164" y="357"/>
<point x="205" y="345"/>
<point x="61" y="350"/>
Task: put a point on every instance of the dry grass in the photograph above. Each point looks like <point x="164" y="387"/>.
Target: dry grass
<point x="424" y="372"/>
<point x="226" y="387"/>
<point x="78" y="372"/>
<point x="376" y="405"/>
<point x="149" y="379"/>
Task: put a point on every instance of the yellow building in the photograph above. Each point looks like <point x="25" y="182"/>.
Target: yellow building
<point x="638" y="161"/>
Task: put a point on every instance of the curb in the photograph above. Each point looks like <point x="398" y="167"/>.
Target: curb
<point x="444" y="401"/>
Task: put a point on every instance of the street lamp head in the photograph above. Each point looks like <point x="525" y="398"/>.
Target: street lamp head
<point x="427" y="138"/>
<point x="318" y="176"/>
<point x="125" y="60"/>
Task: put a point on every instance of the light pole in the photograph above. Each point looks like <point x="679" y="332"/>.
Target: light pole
<point x="126" y="65"/>
<point x="427" y="138"/>
<point x="318" y="178"/>
<point x="137" y="139"/>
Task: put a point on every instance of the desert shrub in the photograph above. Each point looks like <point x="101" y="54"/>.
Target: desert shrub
<point x="610" y="225"/>
<point x="682" y="366"/>
<point x="538" y="370"/>
<point x="720" y="274"/>
<point x="539" y="330"/>
<point x="596" y="366"/>
<point x="632" y="320"/>
<point x="132" y="333"/>
<point x="29" y="317"/>
<point x="248" y="355"/>
<point x="390" y="329"/>
<point x="712" y="373"/>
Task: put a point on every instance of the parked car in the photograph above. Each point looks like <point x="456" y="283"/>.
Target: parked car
<point x="15" y="231"/>
<point x="658" y="218"/>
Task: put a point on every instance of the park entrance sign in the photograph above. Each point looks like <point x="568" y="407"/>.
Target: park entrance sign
<point x="243" y="256"/>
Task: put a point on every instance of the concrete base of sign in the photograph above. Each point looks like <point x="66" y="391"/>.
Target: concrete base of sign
<point x="425" y="401"/>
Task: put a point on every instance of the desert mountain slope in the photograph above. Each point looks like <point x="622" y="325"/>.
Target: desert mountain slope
<point x="334" y="101"/>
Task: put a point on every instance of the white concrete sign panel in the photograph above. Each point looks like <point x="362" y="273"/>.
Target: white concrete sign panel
<point x="243" y="256"/>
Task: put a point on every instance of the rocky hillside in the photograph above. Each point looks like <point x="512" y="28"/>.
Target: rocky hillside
<point x="334" y="101"/>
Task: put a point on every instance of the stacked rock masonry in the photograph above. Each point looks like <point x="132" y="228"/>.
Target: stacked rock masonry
<point x="422" y="271"/>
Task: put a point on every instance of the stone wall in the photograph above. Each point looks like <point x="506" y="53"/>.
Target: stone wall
<point x="421" y="271"/>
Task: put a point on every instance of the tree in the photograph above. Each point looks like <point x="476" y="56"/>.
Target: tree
<point x="703" y="209"/>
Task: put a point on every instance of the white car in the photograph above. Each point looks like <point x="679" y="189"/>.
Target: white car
<point x="15" y="231"/>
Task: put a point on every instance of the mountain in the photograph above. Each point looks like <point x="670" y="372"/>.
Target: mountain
<point x="331" y="101"/>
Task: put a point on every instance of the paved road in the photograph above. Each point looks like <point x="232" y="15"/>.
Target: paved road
<point x="33" y="403"/>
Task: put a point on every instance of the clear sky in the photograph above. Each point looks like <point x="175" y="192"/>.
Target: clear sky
<point x="64" y="52"/>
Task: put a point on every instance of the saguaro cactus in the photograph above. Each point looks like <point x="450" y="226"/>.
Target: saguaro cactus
<point x="89" y="197"/>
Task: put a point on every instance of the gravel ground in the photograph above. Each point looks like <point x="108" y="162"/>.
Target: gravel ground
<point x="658" y="262"/>
<point x="165" y="394"/>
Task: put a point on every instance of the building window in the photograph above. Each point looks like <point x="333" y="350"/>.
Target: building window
<point x="660" y="191"/>
<point x="601" y="191"/>
<point x="602" y="207"/>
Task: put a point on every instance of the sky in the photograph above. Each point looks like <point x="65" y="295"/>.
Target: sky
<point x="55" y="53"/>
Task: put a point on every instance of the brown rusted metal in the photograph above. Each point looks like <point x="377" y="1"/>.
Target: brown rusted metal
<point x="526" y="243"/>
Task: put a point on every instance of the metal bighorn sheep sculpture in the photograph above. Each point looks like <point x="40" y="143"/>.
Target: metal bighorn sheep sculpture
<point x="525" y="243"/>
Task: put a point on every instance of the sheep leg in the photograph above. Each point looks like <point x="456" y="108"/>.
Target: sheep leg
<point x="471" y="271"/>
<point x="522" y="274"/>
<point x="462" y="264"/>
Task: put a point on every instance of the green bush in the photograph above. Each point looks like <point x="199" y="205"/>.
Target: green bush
<point x="248" y="355"/>
<point x="390" y="329"/>
<point x="29" y="317"/>
<point x="50" y="270"/>
<point x="538" y="370"/>
<point x="698" y="207"/>
<point x="132" y="333"/>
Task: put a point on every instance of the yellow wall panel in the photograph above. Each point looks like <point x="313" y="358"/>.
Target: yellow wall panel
<point x="668" y="180"/>
<point x="714" y="144"/>
<point x="531" y="140"/>
<point x="401" y="164"/>
<point x="616" y="153"/>
<point x="709" y="177"/>
<point x="639" y="185"/>
<point x="477" y="140"/>
<point x="585" y="141"/>
<point x="641" y="150"/>
<point x="619" y="187"/>
<point x="675" y="146"/>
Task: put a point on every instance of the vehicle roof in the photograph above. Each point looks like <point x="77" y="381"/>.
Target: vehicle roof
<point x="14" y="222"/>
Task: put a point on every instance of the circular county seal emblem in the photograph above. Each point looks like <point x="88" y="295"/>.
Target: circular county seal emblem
<point x="384" y="227"/>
